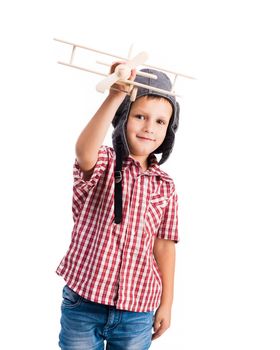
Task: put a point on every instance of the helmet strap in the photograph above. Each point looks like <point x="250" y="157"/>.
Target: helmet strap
<point x="118" y="182"/>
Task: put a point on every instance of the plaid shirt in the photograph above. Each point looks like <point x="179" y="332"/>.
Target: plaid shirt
<point x="113" y="264"/>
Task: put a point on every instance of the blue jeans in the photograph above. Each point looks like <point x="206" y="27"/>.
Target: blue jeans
<point x="85" y="325"/>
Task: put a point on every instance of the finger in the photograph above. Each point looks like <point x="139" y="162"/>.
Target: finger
<point x="133" y="74"/>
<point x="160" y="328"/>
<point x="114" y="65"/>
<point x="157" y="325"/>
<point x="159" y="332"/>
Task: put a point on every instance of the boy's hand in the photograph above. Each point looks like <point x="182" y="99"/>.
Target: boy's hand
<point x="162" y="321"/>
<point x="118" y="88"/>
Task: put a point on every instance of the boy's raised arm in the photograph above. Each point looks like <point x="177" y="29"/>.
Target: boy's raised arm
<point x="92" y="137"/>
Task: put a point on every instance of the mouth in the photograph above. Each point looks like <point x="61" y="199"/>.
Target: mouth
<point x="145" y="138"/>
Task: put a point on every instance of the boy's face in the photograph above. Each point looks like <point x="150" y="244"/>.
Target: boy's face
<point x="147" y="125"/>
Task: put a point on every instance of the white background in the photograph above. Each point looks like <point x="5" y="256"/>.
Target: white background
<point x="225" y="162"/>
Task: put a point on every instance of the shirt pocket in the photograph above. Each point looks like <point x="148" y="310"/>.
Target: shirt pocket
<point x="158" y="200"/>
<point x="154" y="212"/>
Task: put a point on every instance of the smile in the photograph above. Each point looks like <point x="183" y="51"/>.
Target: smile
<point x="145" y="138"/>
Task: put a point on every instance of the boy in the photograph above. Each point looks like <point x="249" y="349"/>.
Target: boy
<point x="121" y="261"/>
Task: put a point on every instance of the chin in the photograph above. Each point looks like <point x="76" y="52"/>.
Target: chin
<point x="146" y="150"/>
<point x="141" y="154"/>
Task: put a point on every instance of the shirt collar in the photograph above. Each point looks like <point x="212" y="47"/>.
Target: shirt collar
<point x="153" y="170"/>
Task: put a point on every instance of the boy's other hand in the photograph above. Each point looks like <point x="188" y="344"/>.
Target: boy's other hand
<point x="118" y="88"/>
<point x="162" y="321"/>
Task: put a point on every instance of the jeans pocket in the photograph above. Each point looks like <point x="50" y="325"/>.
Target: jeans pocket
<point x="70" y="298"/>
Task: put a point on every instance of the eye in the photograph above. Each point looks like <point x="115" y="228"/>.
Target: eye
<point x="140" y="116"/>
<point x="161" y="122"/>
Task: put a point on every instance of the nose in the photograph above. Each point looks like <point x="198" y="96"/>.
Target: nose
<point x="149" y="126"/>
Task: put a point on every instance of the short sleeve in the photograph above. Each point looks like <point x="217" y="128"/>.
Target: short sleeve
<point x="81" y="187"/>
<point x="168" y="228"/>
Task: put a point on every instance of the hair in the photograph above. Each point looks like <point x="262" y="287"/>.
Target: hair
<point x="156" y="97"/>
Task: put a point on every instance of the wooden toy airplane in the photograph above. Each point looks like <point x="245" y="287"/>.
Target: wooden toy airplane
<point x="122" y="71"/>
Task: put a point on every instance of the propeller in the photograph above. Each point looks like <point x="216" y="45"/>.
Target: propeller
<point x="122" y="72"/>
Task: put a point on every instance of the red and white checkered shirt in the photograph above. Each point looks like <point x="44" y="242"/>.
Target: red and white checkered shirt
<point x="113" y="264"/>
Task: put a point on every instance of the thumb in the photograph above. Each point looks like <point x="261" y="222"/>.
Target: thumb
<point x="157" y="325"/>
